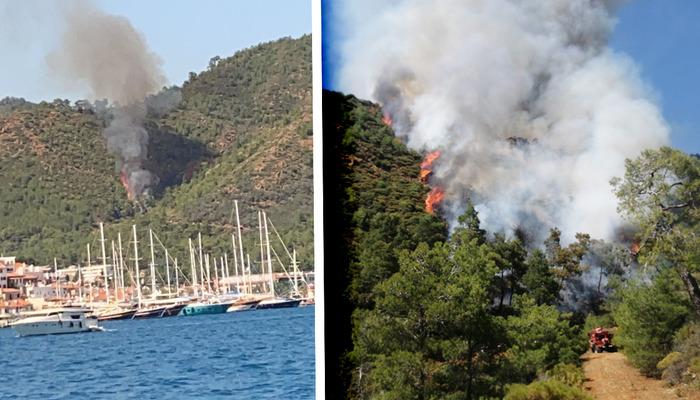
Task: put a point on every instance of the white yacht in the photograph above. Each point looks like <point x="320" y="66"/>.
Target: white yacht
<point x="56" y="321"/>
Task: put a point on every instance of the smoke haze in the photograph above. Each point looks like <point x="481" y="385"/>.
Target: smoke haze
<point x="112" y="58"/>
<point x="464" y="76"/>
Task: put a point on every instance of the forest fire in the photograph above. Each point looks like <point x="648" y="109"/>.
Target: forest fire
<point x="634" y="249"/>
<point x="125" y="182"/>
<point x="434" y="198"/>
<point x="427" y="165"/>
<point x="437" y="194"/>
<point x="386" y="119"/>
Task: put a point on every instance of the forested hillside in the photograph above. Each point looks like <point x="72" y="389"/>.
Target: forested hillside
<point x="373" y="206"/>
<point x="471" y="315"/>
<point x="241" y="131"/>
<point x="476" y="314"/>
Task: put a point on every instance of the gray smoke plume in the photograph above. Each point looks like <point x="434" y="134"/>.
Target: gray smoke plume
<point x="463" y="76"/>
<point x="112" y="58"/>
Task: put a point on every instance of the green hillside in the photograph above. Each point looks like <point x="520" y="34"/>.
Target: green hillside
<point x="374" y="207"/>
<point x="241" y="132"/>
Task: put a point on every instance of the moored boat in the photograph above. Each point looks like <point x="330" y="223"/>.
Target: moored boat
<point x="206" y="308"/>
<point x="169" y="310"/>
<point x="243" y="305"/>
<point x="278" y="303"/>
<point x="56" y="321"/>
<point x="116" y="315"/>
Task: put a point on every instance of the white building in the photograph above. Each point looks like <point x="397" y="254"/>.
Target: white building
<point x="7" y="266"/>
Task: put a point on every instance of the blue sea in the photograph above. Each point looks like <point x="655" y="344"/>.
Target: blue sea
<point x="262" y="354"/>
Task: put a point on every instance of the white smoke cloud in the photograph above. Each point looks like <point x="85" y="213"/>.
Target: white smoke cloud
<point x="463" y="76"/>
<point x="112" y="58"/>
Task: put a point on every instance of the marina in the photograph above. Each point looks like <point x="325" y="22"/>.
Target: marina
<point x="118" y="288"/>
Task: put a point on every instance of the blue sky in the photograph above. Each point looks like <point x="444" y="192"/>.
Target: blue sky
<point x="663" y="37"/>
<point x="185" y="34"/>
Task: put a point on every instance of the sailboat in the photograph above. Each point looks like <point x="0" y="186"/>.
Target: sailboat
<point x="120" y="310"/>
<point x="213" y="305"/>
<point x="273" y="301"/>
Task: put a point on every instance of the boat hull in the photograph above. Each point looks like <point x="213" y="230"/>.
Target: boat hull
<point x="278" y="303"/>
<point x="55" y="327"/>
<point x="248" y="305"/>
<point x="204" y="309"/>
<point x="117" y="315"/>
<point x="159" y="312"/>
<point x="173" y="310"/>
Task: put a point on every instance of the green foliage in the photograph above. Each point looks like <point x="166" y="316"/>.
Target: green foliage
<point x="540" y="337"/>
<point x="435" y="312"/>
<point x="648" y="316"/>
<point x="683" y="364"/>
<point x="568" y="374"/>
<point x="545" y="390"/>
<point x="539" y="281"/>
<point x="566" y="261"/>
<point x="660" y="193"/>
<point x="371" y="178"/>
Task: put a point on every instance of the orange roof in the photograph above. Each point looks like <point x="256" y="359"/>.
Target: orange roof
<point x="9" y="290"/>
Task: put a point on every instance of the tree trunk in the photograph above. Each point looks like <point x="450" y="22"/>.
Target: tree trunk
<point x="470" y="367"/>
<point x="691" y="285"/>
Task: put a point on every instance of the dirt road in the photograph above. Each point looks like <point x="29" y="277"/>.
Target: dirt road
<point x="609" y="376"/>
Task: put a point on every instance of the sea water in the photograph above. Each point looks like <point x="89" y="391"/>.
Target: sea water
<point x="262" y="354"/>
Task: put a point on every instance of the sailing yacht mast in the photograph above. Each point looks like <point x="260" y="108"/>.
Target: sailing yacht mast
<point x="251" y="284"/>
<point x="235" y="263"/>
<point x="296" y="271"/>
<point x="269" y="259"/>
<point x="177" y="279"/>
<point x="80" y="279"/>
<point x="193" y="267"/>
<point x="262" y="254"/>
<point x="201" y="261"/>
<point x="240" y="240"/>
<point x="153" y="266"/>
<point x="89" y="267"/>
<point x="223" y="274"/>
<point x="136" y="263"/>
<point x="216" y="274"/>
<point x="167" y="269"/>
<point x="114" y="272"/>
<point x="228" y="274"/>
<point x="104" y="261"/>
<point x="208" y="269"/>
<point x="121" y="262"/>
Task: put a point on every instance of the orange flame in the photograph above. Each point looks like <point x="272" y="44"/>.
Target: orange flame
<point x="634" y="249"/>
<point x="434" y="198"/>
<point x="386" y="119"/>
<point x="430" y="159"/>
<point x="125" y="182"/>
<point x="427" y="164"/>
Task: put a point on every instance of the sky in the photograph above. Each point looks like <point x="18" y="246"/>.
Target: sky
<point x="185" y="34"/>
<point x="662" y="37"/>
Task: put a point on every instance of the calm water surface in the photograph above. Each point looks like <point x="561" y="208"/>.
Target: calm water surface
<point x="264" y="354"/>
